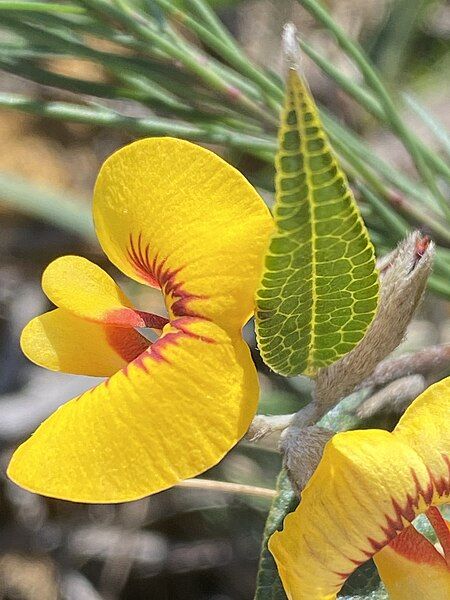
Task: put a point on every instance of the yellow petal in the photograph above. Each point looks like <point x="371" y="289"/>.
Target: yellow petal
<point x="171" y="414"/>
<point x="83" y="288"/>
<point x="60" y="341"/>
<point x="442" y="529"/>
<point x="367" y="487"/>
<point x="425" y="426"/>
<point x="411" y="567"/>
<point x="172" y="214"/>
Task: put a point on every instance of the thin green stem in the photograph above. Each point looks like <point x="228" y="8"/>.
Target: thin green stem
<point x="207" y="133"/>
<point x="64" y="43"/>
<point x="362" y="96"/>
<point x="135" y="88"/>
<point x="420" y="217"/>
<point x="383" y="169"/>
<point x="439" y="285"/>
<point x="79" y="86"/>
<point x="397" y="227"/>
<point x="354" y="52"/>
<point x="392" y="202"/>
<point x="136" y="24"/>
<point x="434" y="124"/>
<point x="369" y="103"/>
<point x="442" y="263"/>
<point x="42" y="7"/>
<point x="234" y="79"/>
<point x="57" y="208"/>
<point x="116" y="64"/>
<point x="101" y="30"/>
<point x="232" y="55"/>
<point x="209" y="17"/>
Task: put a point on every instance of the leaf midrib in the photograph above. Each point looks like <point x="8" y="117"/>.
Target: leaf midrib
<point x="298" y="93"/>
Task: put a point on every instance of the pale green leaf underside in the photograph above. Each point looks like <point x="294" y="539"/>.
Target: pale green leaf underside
<point x="268" y="582"/>
<point x="320" y="287"/>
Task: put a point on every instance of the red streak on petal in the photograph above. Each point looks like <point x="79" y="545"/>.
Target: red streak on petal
<point x="413" y="546"/>
<point x="183" y="325"/>
<point x="152" y="320"/>
<point x="128" y="343"/>
<point x="394" y="529"/>
<point x="442" y="529"/>
<point x="124" y="317"/>
<point x="376" y="546"/>
<point x="156" y="274"/>
<point x="157" y="350"/>
<point x="442" y="485"/>
<point x="343" y="576"/>
<point x="141" y="261"/>
<point x="129" y="317"/>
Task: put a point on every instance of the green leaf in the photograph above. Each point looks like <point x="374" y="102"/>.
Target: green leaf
<point x="268" y="583"/>
<point x="320" y="287"/>
<point x="378" y="594"/>
<point x="363" y="584"/>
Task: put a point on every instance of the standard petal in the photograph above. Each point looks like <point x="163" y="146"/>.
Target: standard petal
<point x="368" y="486"/>
<point x="411" y="567"/>
<point x="172" y="214"/>
<point x="83" y="288"/>
<point x="171" y="414"/>
<point x="60" y="341"/>
<point x="425" y="426"/>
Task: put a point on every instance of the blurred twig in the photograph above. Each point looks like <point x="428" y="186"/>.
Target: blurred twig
<point x="356" y="53"/>
<point x="186" y="76"/>
<point x="59" y="209"/>
<point x="226" y="486"/>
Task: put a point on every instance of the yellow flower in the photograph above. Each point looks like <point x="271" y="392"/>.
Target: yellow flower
<point x="169" y="214"/>
<point x="367" y="489"/>
<point x="411" y="567"/>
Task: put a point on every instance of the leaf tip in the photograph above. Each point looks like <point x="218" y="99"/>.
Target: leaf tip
<point x="291" y="51"/>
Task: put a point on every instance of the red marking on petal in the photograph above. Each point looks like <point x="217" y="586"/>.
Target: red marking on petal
<point x="342" y="575"/>
<point x="357" y="562"/>
<point x="124" y="317"/>
<point x="376" y="546"/>
<point x="407" y="540"/>
<point x="415" y="547"/>
<point x="442" y="485"/>
<point x="398" y="523"/>
<point x="428" y="493"/>
<point x="128" y="343"/>
<point x="442" y="529"/>
<point x="367" y="554"/>
<point x="395" y="526"/>
<point x="157" y="275"/>
<point x="151" y="320"/>
<point x="157" y="350"/>
<point x="141" y="261"/>
<point x="183" y="325"/>
<point x="129" y="317"/>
